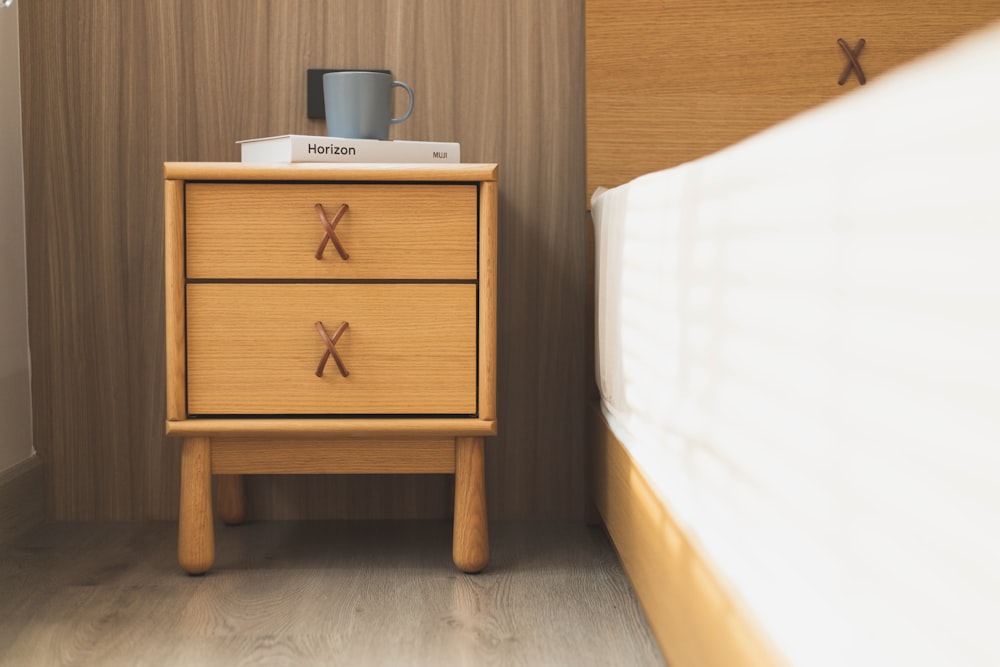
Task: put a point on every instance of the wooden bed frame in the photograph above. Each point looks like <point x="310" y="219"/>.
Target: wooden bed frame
<point x="668" y="82"/>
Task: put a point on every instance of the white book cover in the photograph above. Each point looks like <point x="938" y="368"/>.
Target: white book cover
<point x="304" y="148"/>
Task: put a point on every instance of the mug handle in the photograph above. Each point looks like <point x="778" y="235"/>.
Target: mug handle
<point x="409" y="109"/>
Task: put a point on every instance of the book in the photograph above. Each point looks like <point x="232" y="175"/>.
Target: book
<point x="303" y="148"/>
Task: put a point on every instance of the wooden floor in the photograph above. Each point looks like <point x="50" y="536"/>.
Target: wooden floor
<point x="318" y="593"/>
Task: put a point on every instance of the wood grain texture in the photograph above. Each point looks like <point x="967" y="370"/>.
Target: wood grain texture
<point x="671" y="81"/>
<point x="408" y="349"/>
<point x="318" y="171"/>
<point x="536" y="466"/>
<point x="470" y="541"/>
<point x="195" y="539"/>
<point x="694" y="618"/>
<point x="593" y="393"/>
<point x="331" y="428"/>
<point x="318" y="593"/>
<point x="230" y="495"/>
<point x="182" y="81"/>
<point x="264" y="230"/>
<point x="176" y="355"/>
<point x="488" y="301"/>
<point x="354" y="456"/>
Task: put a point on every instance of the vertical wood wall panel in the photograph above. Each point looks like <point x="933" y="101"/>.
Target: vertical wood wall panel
<point x="112" y="89"/>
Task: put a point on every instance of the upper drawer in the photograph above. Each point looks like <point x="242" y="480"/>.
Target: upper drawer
<point x="273" y="230"/>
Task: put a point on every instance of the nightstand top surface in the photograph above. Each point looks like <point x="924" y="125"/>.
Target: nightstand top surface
<point x="308" y="171"/>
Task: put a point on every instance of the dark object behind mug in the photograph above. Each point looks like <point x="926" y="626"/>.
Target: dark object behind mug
<point x="315" y="107"/>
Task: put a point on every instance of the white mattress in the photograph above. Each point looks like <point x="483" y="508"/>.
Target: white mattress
<point x="799" y="342"/>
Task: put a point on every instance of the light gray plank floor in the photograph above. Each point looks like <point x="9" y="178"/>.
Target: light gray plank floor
<point x="318" y="593"/>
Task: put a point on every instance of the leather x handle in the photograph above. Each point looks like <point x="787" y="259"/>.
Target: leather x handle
<point x="329" y="234"/>
<point x="331" y="351"/>
<point x="853" y="64"/>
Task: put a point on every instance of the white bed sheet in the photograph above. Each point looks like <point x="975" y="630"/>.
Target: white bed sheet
<point x="798" y="339"/>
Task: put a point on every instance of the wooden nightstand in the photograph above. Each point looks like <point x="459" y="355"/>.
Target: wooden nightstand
<point x="329" y="319"/>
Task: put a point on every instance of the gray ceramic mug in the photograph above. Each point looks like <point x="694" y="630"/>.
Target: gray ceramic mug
<point x="359" y="104"/>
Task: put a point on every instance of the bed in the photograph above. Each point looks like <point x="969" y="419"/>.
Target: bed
<point x="795" y="428"/>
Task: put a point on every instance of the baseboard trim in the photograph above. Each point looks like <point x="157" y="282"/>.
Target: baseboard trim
<point x="22" y="504"/>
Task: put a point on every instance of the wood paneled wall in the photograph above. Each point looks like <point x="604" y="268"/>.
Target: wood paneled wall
<point x="113" y="89"/>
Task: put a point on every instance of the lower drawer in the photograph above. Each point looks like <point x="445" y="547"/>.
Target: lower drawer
<point x="254" y="349"/>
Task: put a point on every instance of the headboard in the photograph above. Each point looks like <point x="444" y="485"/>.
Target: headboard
<point x="669" y="81"/>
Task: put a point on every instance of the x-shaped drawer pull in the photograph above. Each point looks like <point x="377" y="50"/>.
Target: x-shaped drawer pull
<point x="331" y="351"/>
<point x="853" y="64"/>
<point x="330" y="235"/>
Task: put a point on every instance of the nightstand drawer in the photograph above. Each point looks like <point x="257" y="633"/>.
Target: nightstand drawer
<point x="408" y="349"/>
<point x="387" y="231"/>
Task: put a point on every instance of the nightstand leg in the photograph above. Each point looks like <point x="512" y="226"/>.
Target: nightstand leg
<point x="470" y="544"/>
<point x="230" y="499"/>
<point x="195" y="539"/>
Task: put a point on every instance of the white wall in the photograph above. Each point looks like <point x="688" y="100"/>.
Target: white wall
<point x="15" y="389"/>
